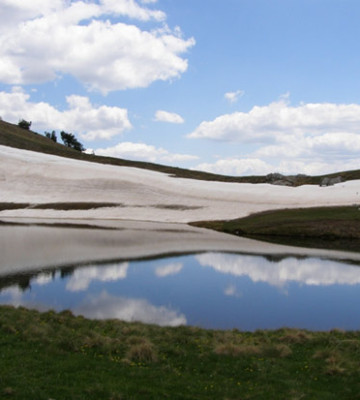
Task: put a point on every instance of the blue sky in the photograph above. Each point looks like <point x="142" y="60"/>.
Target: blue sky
<point x="236" y="87"/>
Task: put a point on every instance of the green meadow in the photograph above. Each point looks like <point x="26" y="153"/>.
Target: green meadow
<point x="60" y="356"/>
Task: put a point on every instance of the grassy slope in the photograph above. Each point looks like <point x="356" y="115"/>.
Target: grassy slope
<point x="13" y="136"/>
<point x="59" y="356"/>
<point x="326" y="227"/>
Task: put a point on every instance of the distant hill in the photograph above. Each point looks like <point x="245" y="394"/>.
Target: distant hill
<point x="13" y="136"/>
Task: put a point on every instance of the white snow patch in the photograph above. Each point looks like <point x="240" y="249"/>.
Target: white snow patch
<point x="144" y="195"/>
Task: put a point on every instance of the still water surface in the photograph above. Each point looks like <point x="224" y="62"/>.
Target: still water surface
<point x="211" y="290"/>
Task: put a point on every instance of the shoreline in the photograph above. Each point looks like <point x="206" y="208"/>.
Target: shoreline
<point x="25" y="248"/>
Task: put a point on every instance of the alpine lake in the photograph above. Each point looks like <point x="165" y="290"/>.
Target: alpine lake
<point x="41" y="268"/>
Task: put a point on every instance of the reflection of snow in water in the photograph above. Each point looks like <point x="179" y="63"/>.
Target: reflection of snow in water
<point x="169" y="269"/>
<point x="105" y="306"/>
<point x="81" y="278"/>
<point x="308" y="271"/>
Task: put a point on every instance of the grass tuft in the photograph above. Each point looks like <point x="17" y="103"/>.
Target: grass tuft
<point x="142" y="352"/>
<point x="276" y="351"/>
<point x="236" y="350"/>
<point x="296" y="336"/>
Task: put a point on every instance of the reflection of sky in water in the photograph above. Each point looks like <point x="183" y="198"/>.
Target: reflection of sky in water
<point x="212" y="290"/>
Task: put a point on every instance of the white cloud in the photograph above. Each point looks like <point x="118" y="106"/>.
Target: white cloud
<point x="169" y="269"/>
<point x="233" y="97"/>
<point x="131" y="9"/>
<point x="73" y="38"/>
<point x="165" y="116"/>
<point x="250" y="165"/>
<point x="143" y="152"/>
<point x="18" y="10"/>
<point x="317" y="166"/>
<point x="309" y="138"/>
<point x="105" y="306"/>
<point x="82" y="117"/>
<point x="235" y="166"/>
<point x="276" y="121"/>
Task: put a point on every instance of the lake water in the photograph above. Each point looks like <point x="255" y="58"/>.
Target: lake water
<point x="210" y="290"/>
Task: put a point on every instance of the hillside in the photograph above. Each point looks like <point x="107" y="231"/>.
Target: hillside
<point x="13" y="136"/>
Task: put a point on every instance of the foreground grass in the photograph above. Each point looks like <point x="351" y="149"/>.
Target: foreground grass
<point x="332" y="227"/>
<point x="59" y="356"/>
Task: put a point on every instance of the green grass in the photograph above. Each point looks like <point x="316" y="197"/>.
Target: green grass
<point x="14" y="136"/>
<point x="59" y="356"/>
<point x="332" y="227"/>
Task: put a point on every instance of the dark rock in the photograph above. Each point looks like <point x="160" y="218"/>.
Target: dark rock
<point x="327" y="181"/>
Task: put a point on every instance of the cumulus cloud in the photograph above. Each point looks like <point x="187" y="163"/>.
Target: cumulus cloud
<point x="106" y="306"/>
<point x="90" y="121"/>
<point x="80" y="39"/>
<point x="235" y="166"/>
<point x="143" y="152"/>
<point x="165" y="116"/>
<point x="233" y="97"/>
<point x="274" y="122"/>
<point x="283" y="160"/>
<point x="131" y="9"/>
<point x="313" y="138"/>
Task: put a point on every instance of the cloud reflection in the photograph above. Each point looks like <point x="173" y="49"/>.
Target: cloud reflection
<point x="13" y="296"/>
<point x="232" y="291"/>
<point x="43" y="279"/>
<point x="106" y="306"/>
<point x="82" y="277"/>
<point x="308" y="271"/>
<point x="169" y="269"/>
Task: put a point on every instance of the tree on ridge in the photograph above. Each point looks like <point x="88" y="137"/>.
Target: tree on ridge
<point x="70" y="141"/>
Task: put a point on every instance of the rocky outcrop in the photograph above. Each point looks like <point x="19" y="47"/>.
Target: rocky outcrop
<point x="283" y="180"/>
<point x="276" y="178"/>
<point x="327" y="181"/>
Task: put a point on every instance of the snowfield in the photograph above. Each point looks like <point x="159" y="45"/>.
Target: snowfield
<point x="31" y="177"/>
<point x="151" y="216"/>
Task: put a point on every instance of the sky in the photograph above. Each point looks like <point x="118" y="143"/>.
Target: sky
<point x="236" y="87"/>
